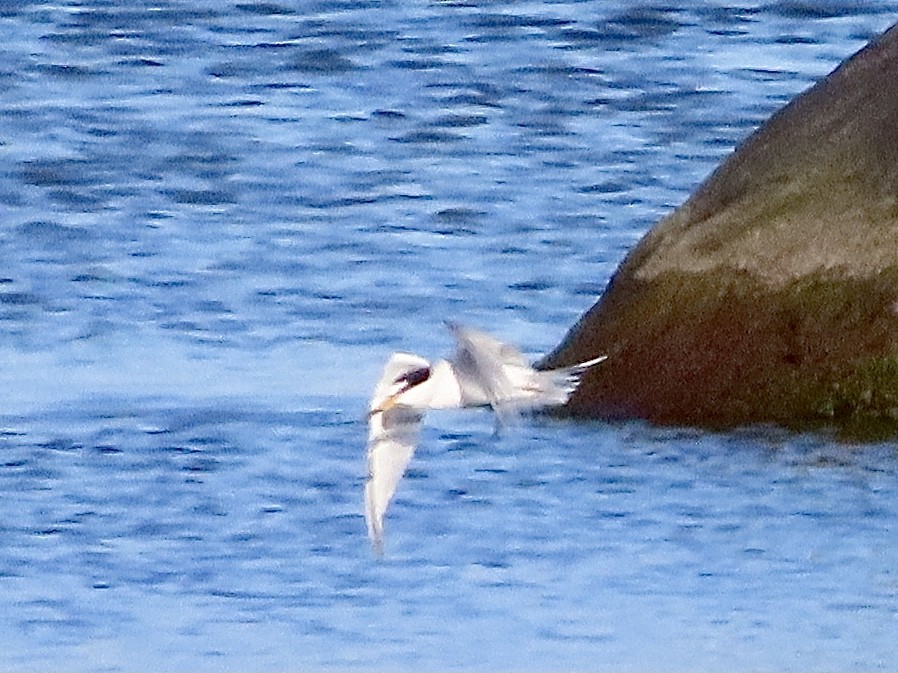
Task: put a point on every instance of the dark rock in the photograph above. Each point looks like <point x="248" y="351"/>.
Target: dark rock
<point x="771" y="295"/>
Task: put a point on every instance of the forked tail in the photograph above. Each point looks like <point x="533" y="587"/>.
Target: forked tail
<point x="561" y="383"/>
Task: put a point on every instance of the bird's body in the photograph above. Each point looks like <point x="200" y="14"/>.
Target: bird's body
<point x="484" y="372"/>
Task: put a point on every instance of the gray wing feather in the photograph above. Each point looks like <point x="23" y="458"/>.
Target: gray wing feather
<point x="495" y="373"/>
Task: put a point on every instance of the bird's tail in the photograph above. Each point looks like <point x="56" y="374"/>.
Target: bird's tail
<point x="559" y="384"/>
<point x="541" y="389"/>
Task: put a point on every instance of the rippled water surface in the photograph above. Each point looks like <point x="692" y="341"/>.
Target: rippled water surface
<point x="216" y="222"/>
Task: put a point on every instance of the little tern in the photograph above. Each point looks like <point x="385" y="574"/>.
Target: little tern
<point x="483" y="373"/>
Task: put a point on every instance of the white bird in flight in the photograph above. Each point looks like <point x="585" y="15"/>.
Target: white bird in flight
<point x="484" y="372"/>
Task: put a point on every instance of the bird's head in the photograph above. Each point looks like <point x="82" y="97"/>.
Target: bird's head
<point x="403" y="374"/>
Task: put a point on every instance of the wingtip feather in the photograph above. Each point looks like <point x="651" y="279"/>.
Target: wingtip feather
<point x="374" y="522"/>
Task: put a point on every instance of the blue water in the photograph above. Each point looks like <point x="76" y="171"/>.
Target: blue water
<point x="216" y="222"/>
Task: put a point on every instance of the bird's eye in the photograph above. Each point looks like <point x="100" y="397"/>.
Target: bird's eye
<point x="414" y="377"/>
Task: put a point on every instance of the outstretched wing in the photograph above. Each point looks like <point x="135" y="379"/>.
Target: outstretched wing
<point x="392" y="438"/>
<point x="492" y="372"/>
<point x="495" y="373"/>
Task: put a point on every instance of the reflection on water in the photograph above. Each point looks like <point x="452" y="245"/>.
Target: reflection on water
<point x="218" y="220"/>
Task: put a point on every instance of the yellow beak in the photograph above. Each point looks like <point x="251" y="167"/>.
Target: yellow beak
<point x="388" y="404"/>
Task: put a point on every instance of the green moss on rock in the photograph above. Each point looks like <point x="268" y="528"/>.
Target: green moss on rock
<point x="722" y="349"/>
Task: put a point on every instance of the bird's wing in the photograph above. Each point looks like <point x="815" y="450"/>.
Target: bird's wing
<point x="493" y="370"/>
<point x="500" y="375"/>
<point x="392" y="437"/>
